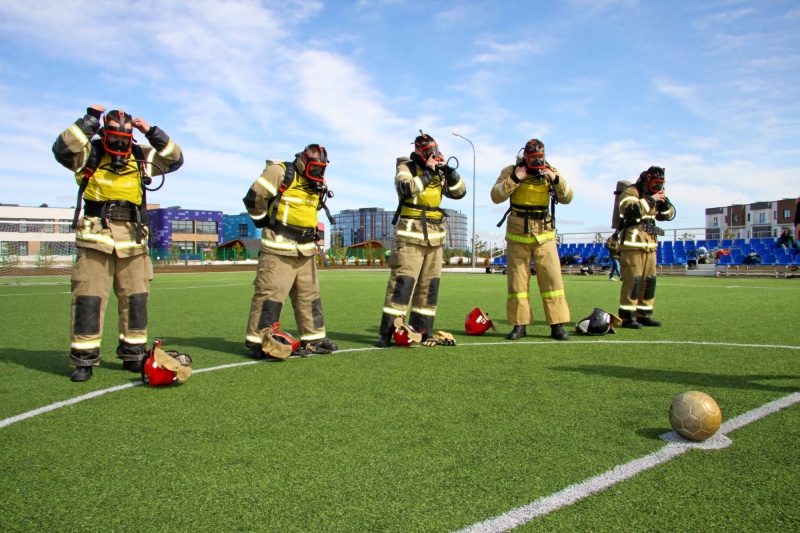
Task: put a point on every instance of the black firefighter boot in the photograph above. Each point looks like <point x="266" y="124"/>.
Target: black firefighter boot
<point x="517" y="332"/>
<point x="132" y="356"/>
<point x="648" y="321"/>
<point x="84" y="362"/>
<point x="558" y="333"/>
<point x="81" y="373"/>
<point x="385" y="331"/>
<point x="422" y="324"/>
<point x="628" y="320"/>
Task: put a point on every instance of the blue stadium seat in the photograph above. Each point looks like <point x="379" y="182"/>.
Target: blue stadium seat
<point x="702" y="242"/>
<point x="768" y="259"/>
<point x="726" y="243"/>
<point x="738" y="243"/>
<point x="667" y="244"/>
<point x="783" y="260"/>
<point x="780" y="251"/>
<point x="755" y="241"/>
<point x="712" y="243"/>
<point x="725" y="260"/>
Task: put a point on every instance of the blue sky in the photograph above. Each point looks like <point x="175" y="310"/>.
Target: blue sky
<point x="710" y="90"/>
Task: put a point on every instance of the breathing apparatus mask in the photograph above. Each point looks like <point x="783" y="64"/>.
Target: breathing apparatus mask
<point x="315" y="159"/>
<point x="532" y="156"/>
<point x="653" y="179"/>
<point x="117" y="134"/>
<point x="425" y="147"/>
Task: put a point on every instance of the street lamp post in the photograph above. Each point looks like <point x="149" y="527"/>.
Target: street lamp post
<point x="473" y="195"/>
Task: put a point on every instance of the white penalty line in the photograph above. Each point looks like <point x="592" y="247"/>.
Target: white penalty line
<point x="78" y="399"/>
<point x="676" y="446"/>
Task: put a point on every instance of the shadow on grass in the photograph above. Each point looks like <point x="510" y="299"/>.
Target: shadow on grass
<point x="51" y="362"/>
<point x="652" y="433"/>
<point x="215" y="344"/>
<point x="695" y="379"/>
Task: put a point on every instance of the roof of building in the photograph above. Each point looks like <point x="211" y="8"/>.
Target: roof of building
<point x="251" y="245"/>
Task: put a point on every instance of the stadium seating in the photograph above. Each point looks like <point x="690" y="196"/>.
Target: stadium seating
<point x="726" y="243"/>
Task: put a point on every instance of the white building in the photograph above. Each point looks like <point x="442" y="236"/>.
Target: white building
<point x="29" y="234"/>
<point x="746" y="221"/>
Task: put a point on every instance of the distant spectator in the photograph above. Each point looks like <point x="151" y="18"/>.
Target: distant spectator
<point x="753" y="258"/>
<point x="797" y="220"/>
<point x="702" y="255"/>
<point x="615" y="268"/>
<point x="787" y="240"/>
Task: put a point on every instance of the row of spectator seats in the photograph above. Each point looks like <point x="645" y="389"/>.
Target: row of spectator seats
<point x="678" y="253"/>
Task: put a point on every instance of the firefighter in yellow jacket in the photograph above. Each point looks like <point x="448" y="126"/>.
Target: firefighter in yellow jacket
<point x="284" y="201"/>
<point x="640" y="205"/>
<point x="531" y="236"/>
<point x="111" y="237"/>
<point x="416" y="262"/>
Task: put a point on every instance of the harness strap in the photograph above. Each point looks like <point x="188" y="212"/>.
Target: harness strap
<point x="96" y="154"/>
<point x="288" y="178"/>
<point x="300" y="235"/>
<point x="527" y="212"/>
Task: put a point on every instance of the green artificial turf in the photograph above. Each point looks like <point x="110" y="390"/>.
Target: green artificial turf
<point x="419" y="439"/>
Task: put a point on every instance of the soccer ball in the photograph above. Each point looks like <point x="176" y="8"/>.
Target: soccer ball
<point x="695" y="415"/>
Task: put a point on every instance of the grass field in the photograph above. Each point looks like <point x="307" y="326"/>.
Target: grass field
<point x="419" y="439"/>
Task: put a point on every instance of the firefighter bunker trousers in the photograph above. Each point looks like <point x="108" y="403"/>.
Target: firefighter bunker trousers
<point x="638" y="292"/>
<point x="280" y="276"/>
<point x="416" y="270"/>
<point x="92" y="278"/>
<point x="548" y="276"/>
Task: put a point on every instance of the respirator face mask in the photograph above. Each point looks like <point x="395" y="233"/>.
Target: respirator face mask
<point x="533" y="157"/>
<point x="118" y="137"/>
<point x="426" y="147"/>
<point x="315" y="158"/>
<point x="655" y="179"/>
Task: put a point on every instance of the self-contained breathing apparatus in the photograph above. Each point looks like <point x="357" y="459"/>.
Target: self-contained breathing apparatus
<point x="115" y="138"/>
<point x="426" y="147"/>
<point x="650" y="182"/>
<point x="532" y="157"/>
<point x="315" y="161"/>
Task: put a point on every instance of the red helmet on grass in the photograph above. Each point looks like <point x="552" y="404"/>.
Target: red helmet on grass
<point x="478" y="323"/>
<point x="165" y="367"/>
<point x="405" y="335"/>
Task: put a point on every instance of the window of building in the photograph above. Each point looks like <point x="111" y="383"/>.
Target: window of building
<point x="748" y="217"/>
<point x="182" y="226"/>
<point x="762" y="218"/>
<point x="184" y="247"/>
<point x="201" y="246"/>
<point x="48" y="226"/>
<point x="787" y="213"/>
<point x="243" y="230"/>
<point x="14" y="248"/>
<point x="207" y="228"/>
<point x="23" y="227"/>
<point x="736" y="218"/>
<point x="716" y="222"/>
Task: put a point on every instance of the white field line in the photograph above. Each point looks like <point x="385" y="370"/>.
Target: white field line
<point x="58" y="405"/>
<point x="522" y="515"/>
<point x="675" y="447"/>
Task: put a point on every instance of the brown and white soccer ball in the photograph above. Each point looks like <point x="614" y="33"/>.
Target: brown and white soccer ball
<point x="695" y="415"/>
